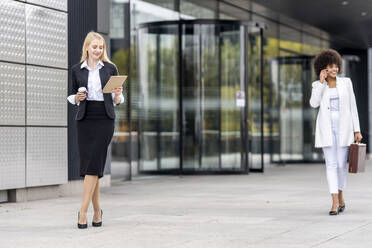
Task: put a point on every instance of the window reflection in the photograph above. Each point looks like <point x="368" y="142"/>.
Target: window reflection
<point x="191" y="9"/>
<point x="254" y="96"/>
<point x="228" y="11"/>
<point x="158" y="127"/>
<point x="213" y="72"/>
<point x="119" y="48"/>
<point x="232" y="85"/>
<point x="213" y="63"/>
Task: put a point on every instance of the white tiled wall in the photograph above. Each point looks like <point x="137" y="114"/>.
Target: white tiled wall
<point x="46" y="37"/>
<point x="46" y="156"/>
<point x="12" y="94"/>
<point x="46" y="96"/>
<point x="33" y="91"/>
<point x="55" y="4"/>
<point x="12" y="157"/>
<point x="12" y="31"/>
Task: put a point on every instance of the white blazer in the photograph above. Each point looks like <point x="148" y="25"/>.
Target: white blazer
<point x="349" y="120"/>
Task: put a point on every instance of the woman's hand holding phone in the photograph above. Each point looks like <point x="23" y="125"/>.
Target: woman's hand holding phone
<point x="323" y="75"/>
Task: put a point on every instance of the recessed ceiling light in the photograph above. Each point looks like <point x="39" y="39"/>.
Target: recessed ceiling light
<point x="363" y="13"/>
<point x="344" y="2"/>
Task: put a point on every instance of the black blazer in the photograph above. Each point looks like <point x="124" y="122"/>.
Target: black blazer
<point x="79" y="78"/>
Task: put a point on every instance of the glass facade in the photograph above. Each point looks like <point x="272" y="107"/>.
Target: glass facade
<point x="158" y="91"/>
<point x="288" y="120"/>
<point x="191" y="75"/>
<point x="183" y="112"/>
<point x="120" y="51"/>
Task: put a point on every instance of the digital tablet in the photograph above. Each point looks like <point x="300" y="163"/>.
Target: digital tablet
<point x="114" y="81"/>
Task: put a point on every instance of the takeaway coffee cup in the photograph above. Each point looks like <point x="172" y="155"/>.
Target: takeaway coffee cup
<point x="82" y="90"/>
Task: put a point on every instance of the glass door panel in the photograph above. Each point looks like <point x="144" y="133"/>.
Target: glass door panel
<point x="148" y="109"/>
<point x="210" y="97"/>
<point x="213" y="78"/>
<point x="168" y="99"/>
<point x="254" y="115"/>
<point x="158" y="125"/>
<point x="291" y="118"/>
<point x="296" y="117"/>
<point x="191" y="96"/>
<point x="232" y="98"/>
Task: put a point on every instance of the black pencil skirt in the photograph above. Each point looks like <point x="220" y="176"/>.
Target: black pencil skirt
<point x="94" y="134"/>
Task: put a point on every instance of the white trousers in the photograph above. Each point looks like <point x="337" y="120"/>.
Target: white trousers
<point x="336" y="158"/>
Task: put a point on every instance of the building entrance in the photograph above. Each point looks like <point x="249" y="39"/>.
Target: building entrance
<point x="201" y="96"/>
<point x="293" y="141"/>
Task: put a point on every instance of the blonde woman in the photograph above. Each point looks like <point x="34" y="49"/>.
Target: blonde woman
<point x="95" y="119"/>
<point x="337" y="123"/>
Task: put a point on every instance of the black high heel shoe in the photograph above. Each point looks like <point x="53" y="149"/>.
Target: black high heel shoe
<point x="81" y="226"/>
<point x="341" y="208"/>
<point x="334" y="212"/>
<point x="98" y="224"/>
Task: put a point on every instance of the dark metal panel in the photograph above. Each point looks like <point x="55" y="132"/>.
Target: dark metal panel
<point x="103" y="17"/>
<point x="82" y="18"/>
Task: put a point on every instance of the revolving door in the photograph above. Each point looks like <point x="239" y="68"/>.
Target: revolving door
<point x="200" y="94"/>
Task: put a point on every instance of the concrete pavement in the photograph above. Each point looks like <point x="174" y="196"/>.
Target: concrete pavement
<point x="284" y="207"/>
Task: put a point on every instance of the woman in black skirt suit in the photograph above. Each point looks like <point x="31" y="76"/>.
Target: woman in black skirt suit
<point x="94" y="119"/>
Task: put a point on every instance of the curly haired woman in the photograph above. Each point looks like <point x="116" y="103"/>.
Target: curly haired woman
<point x="337" y="123"/>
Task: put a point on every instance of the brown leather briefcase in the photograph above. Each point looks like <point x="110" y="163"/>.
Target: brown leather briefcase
<point x="357" y="157"/>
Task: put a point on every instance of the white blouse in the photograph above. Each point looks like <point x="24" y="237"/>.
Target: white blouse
<point x="94" y="85"/>
<point x="334" y="99"/>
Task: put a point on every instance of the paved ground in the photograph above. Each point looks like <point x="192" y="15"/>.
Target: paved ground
<point x="284" y="207"/>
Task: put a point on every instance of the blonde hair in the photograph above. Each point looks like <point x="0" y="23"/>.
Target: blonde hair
<point x="88" y="39"/>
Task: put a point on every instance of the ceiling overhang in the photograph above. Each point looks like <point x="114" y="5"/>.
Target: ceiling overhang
<point x="349" y="23"/>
